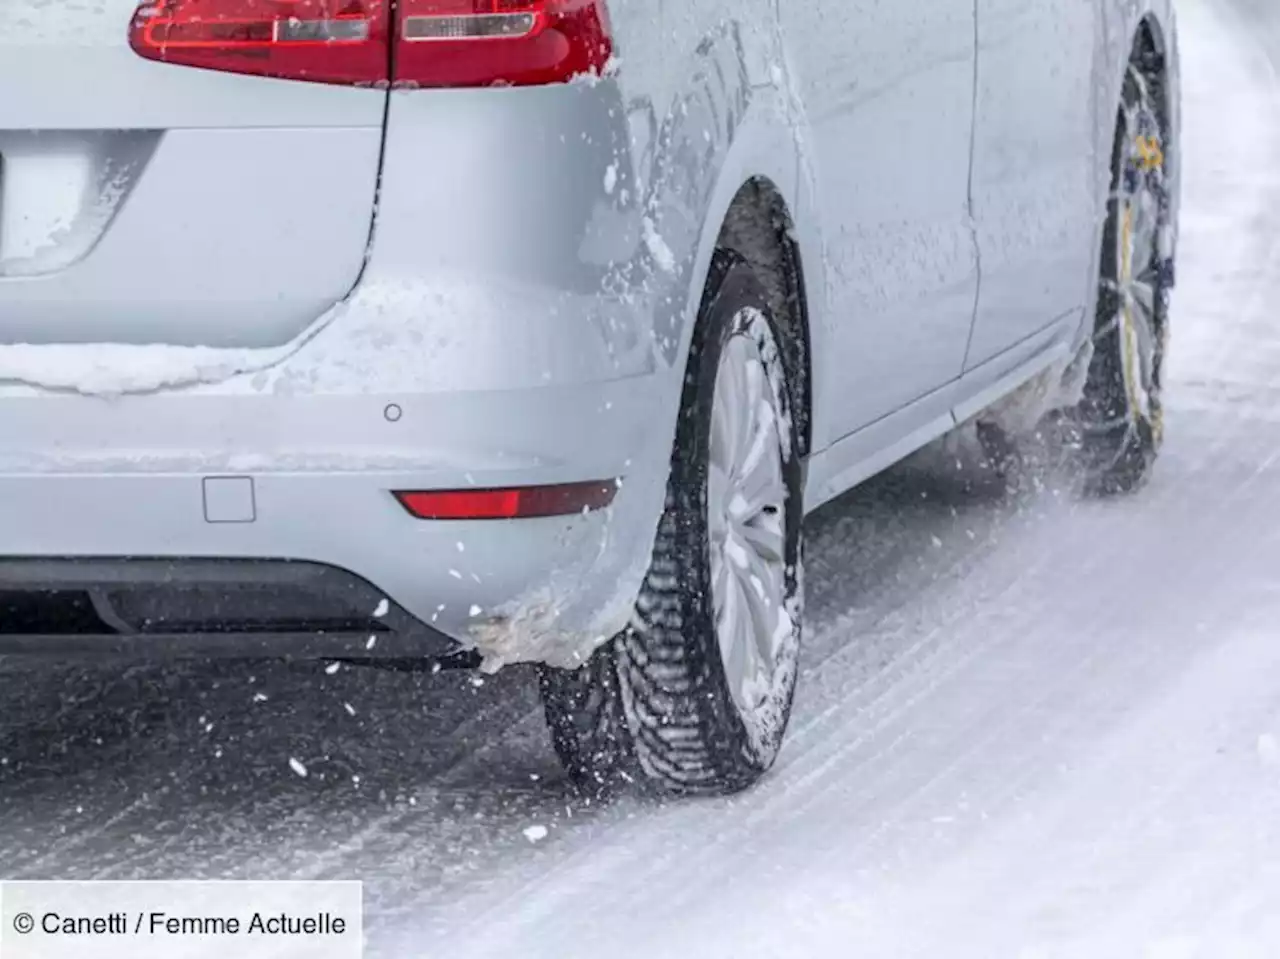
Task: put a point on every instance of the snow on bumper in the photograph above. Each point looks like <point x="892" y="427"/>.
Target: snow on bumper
<point x="325" y="436"/>
<point x="518" y="590"/>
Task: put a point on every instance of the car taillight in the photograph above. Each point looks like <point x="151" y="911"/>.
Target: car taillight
<point x="326" y="41"/>
<point x="467" y="43"/>
<point x="434" y="43"/>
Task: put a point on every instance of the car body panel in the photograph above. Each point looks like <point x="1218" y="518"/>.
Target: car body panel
<point x="153" y="265"/>
<point x="85" y="476"/>
<point x="148" y="204"/>
<point x="889" y="141"/>
<point x="1033" y="190"/>
<point x="879" y="445"/>
<point x="75" y="70"/>
<point x="524" y="307"/>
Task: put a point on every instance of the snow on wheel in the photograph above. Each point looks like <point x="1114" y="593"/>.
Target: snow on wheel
<point x="695" y="696"/>
<point x="1121" y="418"/>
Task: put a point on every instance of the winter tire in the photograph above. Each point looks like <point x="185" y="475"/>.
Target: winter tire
<point x="695" y="696"/>
<point x="1120" y="420"/>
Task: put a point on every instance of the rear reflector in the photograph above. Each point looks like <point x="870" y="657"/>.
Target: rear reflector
<point x="434" y="43"/>
<point x="523" y="502"/>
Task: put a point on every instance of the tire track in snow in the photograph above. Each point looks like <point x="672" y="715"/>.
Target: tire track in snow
<point x="847" y="785"/>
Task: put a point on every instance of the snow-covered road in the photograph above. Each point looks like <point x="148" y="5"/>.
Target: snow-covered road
<point x="1027" y="727"/>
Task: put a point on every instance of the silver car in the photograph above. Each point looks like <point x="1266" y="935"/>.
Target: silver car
<point x="533" y="328"/>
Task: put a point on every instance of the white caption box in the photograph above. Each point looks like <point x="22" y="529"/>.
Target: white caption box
<point x="191" y="920"/>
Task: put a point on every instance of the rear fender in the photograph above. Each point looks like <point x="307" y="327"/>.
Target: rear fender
<point x="737" y="122"/>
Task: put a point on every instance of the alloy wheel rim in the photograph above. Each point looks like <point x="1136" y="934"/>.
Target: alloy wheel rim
<point x="746" y="503"/>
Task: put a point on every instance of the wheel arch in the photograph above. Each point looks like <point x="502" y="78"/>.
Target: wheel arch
<point x="728" y="171"/>
<point x="759" y="227"/>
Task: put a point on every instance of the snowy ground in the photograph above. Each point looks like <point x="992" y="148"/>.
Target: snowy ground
<point x="1026" y="728"/>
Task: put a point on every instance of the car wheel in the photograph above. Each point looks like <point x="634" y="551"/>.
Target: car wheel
<point x="695" y="696"/>
<point x="1120" y="420"/>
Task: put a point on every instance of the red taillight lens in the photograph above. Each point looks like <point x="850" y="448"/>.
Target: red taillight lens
<point x="438" y="43"/>
<point x="522" y="502"/>
<point x="326" y="41"/>
<point x="466" y="43"/>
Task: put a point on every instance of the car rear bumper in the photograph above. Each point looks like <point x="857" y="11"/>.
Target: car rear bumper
<point x="179" y="477"/>
<point x="204" y="607"/>
<point x="511" y="327"/>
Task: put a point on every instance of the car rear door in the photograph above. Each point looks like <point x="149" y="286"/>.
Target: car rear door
<point x="888" y="89"/>
<point x="145" y="201"/>
<point x="1034" y="191"/>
